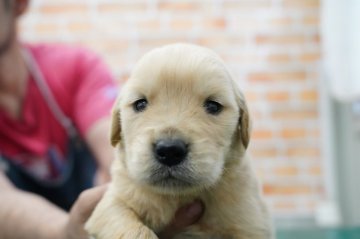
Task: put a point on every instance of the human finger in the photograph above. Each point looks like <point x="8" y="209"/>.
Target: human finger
<point x="184" y="217"/>
<point x="87" y="201"/>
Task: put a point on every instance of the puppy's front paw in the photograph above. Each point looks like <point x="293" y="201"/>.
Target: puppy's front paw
<point x="141" y="233"/>
<point x="116" y="224"/>
<point x="124" y="233"/>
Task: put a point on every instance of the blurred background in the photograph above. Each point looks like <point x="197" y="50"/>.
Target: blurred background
<point x="296" y="61"/>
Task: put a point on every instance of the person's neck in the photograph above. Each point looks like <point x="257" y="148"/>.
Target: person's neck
<point x="13" y="71"/>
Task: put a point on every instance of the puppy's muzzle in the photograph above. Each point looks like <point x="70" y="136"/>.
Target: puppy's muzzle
<point x="170" y="152"/>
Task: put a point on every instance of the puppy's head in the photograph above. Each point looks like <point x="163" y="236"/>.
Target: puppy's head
<point x="178" y="118"/>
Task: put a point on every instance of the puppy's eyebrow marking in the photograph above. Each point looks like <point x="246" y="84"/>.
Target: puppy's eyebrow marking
<point x="216" y="97"/>
<point x="135" y="95"/>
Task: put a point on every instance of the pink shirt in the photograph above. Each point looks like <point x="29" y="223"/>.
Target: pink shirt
<point x="83" y="88"/>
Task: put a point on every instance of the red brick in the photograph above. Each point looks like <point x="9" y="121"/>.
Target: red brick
<point x="178" y="6"/>
<point x="181" y="24"/>
<point x="294" y="114"/>
<point x="310" y="57"/>
<point x="314" y="133"/>
<point x="65" y="8"/>
<point x="214" y="23"/>
<point x="278" y="96"/>
<point x="277" y="76"/>
<point x="265" y="153"/>
<point x="279" y="58"/>
<point x="286" y="171"/>
<point x="291" y="133"/>
<point x="315" y="171"/>
<point x="46" y="28"/>
<point x="80" y="27"/>
<point x="301" y="3"/>
<point x="261" y="134"/>
<point x="282" y="21"/>
<point x="313" y="20"/>
<point x="303" y="151"/>
<point x="152" y="24"/>
<point x="293" y="189"/>
<point x="281" y="39"/>
<point x="309" y="95"/>
<point x="251" y="95"/>
<point x="156" y="41"/>
<point x="121" y="7"/>
<point x="114" y="46"/>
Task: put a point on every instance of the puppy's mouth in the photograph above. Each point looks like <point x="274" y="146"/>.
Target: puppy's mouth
<point x="171" y="169"/>
<point x="172" y="178"/>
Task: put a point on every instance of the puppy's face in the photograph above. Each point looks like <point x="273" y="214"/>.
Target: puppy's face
<point x="177" y="118"/>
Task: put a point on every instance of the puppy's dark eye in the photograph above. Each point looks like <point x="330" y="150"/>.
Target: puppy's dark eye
<point x="212" y="107"/>
<point x="140" y="105"/>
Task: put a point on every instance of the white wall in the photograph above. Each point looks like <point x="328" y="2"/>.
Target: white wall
<point x="341" y="47"/>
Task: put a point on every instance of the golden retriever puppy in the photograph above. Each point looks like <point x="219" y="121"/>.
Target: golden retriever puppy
<point x="181" y="129"/>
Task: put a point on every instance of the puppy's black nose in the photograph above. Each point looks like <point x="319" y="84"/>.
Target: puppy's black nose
<point x="170" y="152"/>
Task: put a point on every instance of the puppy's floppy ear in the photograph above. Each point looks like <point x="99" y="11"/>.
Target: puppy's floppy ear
<point x="244" y="126"/>
<point x="115" y="126"/>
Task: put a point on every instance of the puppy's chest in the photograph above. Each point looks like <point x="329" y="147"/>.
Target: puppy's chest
<point x="157" y="216"/>
<point x="210" y="226"/>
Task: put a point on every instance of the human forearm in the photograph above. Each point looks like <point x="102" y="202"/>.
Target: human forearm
<point x="25" y="215"/>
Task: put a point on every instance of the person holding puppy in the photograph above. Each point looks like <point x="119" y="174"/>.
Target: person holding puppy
<point x="54" y="117"/>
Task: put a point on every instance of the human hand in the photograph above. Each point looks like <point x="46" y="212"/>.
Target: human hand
<point x="87" y="201"/>
<point x="184" y="217"/>
<point x="102" y="177"/>
<point x="81" y="211"/>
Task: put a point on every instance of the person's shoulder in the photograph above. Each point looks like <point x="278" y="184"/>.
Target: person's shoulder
<point x="55" y="52"/>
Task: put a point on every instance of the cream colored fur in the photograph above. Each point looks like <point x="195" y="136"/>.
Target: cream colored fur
<point x="176" y="80"/>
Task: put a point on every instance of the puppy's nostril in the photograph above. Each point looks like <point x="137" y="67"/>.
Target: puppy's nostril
<point x="170" y="152"/>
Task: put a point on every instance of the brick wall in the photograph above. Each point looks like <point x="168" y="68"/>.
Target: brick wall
<point x="272" y="47"/>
